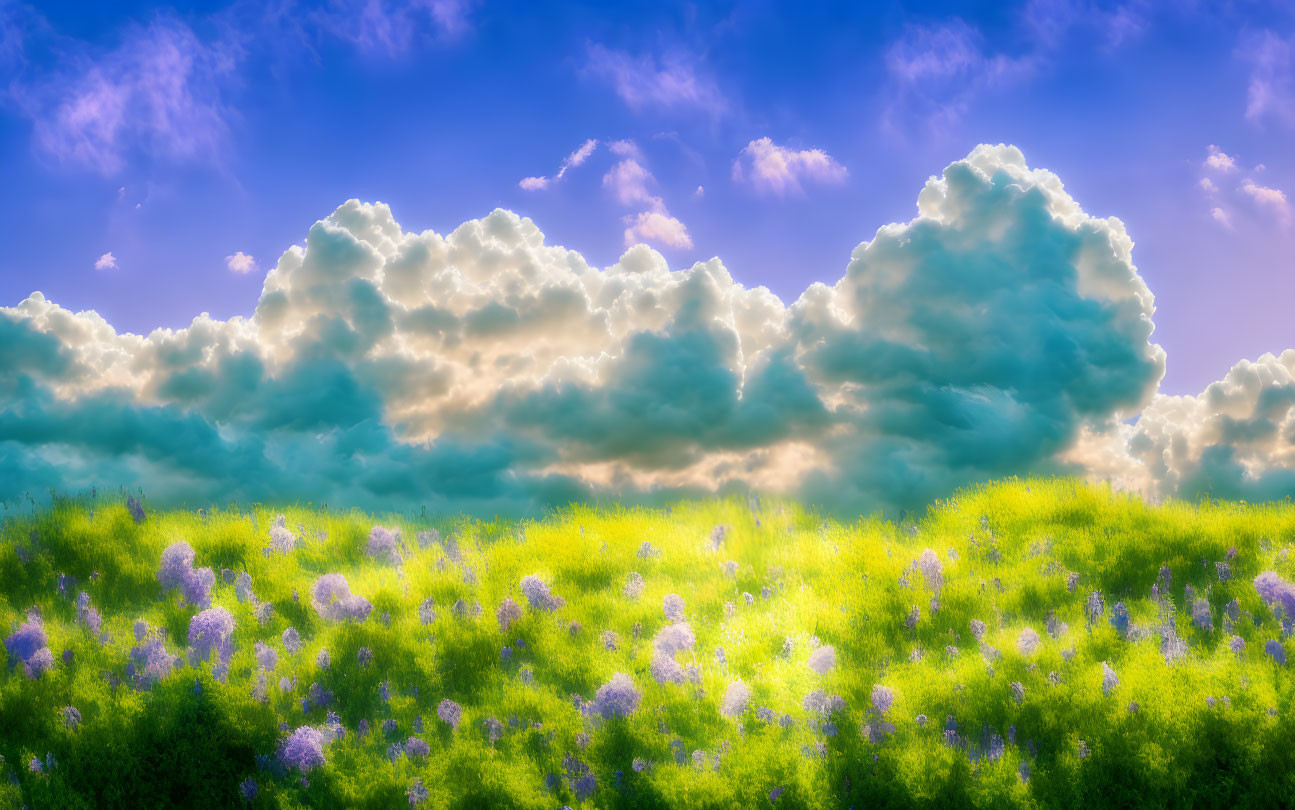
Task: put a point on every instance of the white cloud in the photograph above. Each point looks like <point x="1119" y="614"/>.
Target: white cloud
<point x="1207" y="185"/>
<point x="629" y="181"/>
<point x="487" y="369"/>
<point x="579" y="156"/>
<point x="158" y="94"/>
<point x="1271" y="92"/>
<point x="1221" y="216"/>
<point x="392" y="28"/>
<point x="699" y="193"/>
<point x="656" y="228"/>
<point x="646" y="82"/>
<point x="1271" y="198"/>
<point x="779" y="170"/>
<point x="1220" y="161"/>
<point x="106" y="262"/>
<point x="240" y="262"/>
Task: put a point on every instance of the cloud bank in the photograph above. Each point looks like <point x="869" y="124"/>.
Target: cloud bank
<point x="1002" y="331"/>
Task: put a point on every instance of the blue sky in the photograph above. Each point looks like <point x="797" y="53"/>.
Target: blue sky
<point x="797" y="259"/>
<point x="281" y="115"/>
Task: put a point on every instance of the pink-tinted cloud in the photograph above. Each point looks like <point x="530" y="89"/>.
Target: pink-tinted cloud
<point x="572" y="160"/>
<point x="778" y="170"/>
<point x="670" y="82"/>
<point x="392" y="28"/>
<point x="656" y="227"/>
<point x="1271" y="92"/>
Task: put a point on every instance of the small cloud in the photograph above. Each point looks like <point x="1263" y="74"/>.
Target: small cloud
<point x="1220" y="216"/>
<point x="1271" y="93"/>
<point x="572" y="160"/>
<point x="392" y="28"/>
<point x="699" y="193"/>
<point x="628" y="180"/>
<point x="106" y="262"/>
<point x="1273" y="198"/>
<point x="670" y="82"/>
<point x="656" y="227"/>
<point x="240" y="262"/>
<point x="1208" y="185"/>
<point x="1220" y="161"/>
<point x="778" y="170"/>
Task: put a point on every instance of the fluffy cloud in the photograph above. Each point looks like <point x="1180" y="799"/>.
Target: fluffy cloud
<point x="159" y="93"/>
<point x="1218" y="160"/>
<point x="779" y="170"/>
<point x="1273" y="199"/>
<point x="654" y="227"/>
<point x="240" y="262"/>
<point x="106" y="262"/>
<point x="629" y="182"/>
<point x="580" y="155"/>
<point x="646" y="82"/>
<point x="1001" y="331"/>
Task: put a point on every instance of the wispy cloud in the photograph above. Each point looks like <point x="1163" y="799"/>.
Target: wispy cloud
<point x="159" y="93"/>
<point x="392" y="28"/>
<point x="1271" y="92"/>
<point x="1221" y="216"/>
<point x="779" y="170"/>
<point x="106" y="262"/>
<point x="579" y="156"/>
<point x="672" y="81"/>
<point x="631" y="183"/>
<point x="1273" y="199"/>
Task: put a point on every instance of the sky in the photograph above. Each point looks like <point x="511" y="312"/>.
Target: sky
<point x="162" y="161"/>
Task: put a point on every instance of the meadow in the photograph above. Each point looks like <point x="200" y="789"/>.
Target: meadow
<point x="1028" y="643"/>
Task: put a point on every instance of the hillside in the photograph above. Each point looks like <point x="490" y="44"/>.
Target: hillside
<point x="799" y="662"/>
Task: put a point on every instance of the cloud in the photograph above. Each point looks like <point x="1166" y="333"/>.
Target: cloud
<point x="160" y="93"/>
<point x="672" y="82"/>
<point x="1220" y="161"/>
<point x="1271" y="198"/>
<point x="240" y="262"/>
<point x="936" y="70"/>
<point x="1207" y="185"/>
<point x="1271" y="92"/>
<point x="392" y="28"/>
<point x="106" y="262"/>
<point x="654" y="227"/>
<point x="580" y="155"/>
<point x="1221" y="216"/>
<point x="1002" y="331"/>
<point x="779" y="170"/>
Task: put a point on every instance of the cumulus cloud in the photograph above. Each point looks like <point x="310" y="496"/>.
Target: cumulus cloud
<point x="673" y="81"/>
<point x="579" y="156"/>
<point x="629" y="181"/>
<point x="106" y="262"/>
<point x="158" y="93"/>
<point x="1273" y="199"/>
<point x="779" y="170"/>
<point x="240" y="262"/>
<point x="1221" y="216"/>
<point x="1002" y="330"/>
<point x="656" y="228"/>
<point x="1218" y="160"/>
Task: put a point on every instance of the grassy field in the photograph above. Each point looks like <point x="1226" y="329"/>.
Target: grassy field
<point x="1067" y="699"/>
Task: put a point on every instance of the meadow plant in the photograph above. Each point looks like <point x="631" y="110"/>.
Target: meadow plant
<point x="616" y="698"/>
<point x="736" y="698"/>
<point x="823" y="659"/>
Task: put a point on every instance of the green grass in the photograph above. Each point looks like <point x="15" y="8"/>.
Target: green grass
<point x="1015" y="543"/>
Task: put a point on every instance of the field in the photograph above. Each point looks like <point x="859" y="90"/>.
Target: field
<point x="1083" y="689"/>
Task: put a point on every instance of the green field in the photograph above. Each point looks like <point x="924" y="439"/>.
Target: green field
<point x="1212" y="726"/>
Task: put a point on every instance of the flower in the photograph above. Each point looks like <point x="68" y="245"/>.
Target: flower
<point x="931" y="569"/>
<point x="537" y="593"/>
<point x="633" y="585"/>
<point x="292" y="641"/>
<point x="332" y="599"/>
<point x="417" y="748"/>
<point x="673" y="607"/>
<point x="736" y="698"/>
<point x="823" y="659"/>
<point x="882" y="698"/>
<point x="303" y="750"/>
<point x="450" y="712"/>
<point x="509" y="613"/>
<point x="1027" y="642"/>
<point x="210" y="630"/>
<point x="384" y="545"/>
<point x="674" y="638"/>
<point x="616" y="698"/>
<point x="1109" y="679"/>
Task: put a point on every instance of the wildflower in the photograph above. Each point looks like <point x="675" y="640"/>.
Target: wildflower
<point x="674" y="638"/>
<point x="364" y="655"/>
<point x="1223" y="570"/>
<point x="913" y="617"/>
<point x="537" y="593"/>
<point x="210" y="630"/>
<point x="332" y="598"/>
<point x="1275" y="649"/>
<point x="1172" y="647"/>
<point x="493" y="729"/>
<point x="786" y="648"/>
<point x="665" y="669"/>
<point x="362" y="729"/>
<point x="266" y="657"/>
<point x="292" y="641"/>
<point x="1109" y="679"/>
<point x="281" y="540"/>
<point x="1277" y="593"/>
<point x="639" y="765"/>
<point x="1095" y="606"/>
<point x="617" y="697"/>
<point x="633" y="585"/>
<point x="996" y="748"/>
<point x="609" y="639"/>
<point x="303" y="750"/>
<point x="775" y="793"/>
<point x="384" y="545"/>
<point x="135" y="508"/>
<point x="730" y="569"/>
<point x="1072" y="581"/>
<point x="735" y="699"/>
<point x="428" y="538"/>
<point x="585" y="786"/>
<point x="417" y="748"/>
<point x="647" y="550"/>
<point x="1237" y="645"/>
<point x="717" y="536"/>
<point x="506" y="655"/>
<point x="931" y="569"/>
<point x="1201" y="614"/>
<point x="574" y="629"/>
<point x="395" y="751"/>
<point x="417" y="793"/>
<point x="26" y="641"/>
<point x="263" y="613"/>
<point x="71" y="716"/>
<point x="427" y="611"/>
<point x="323" y="659"/>
<point x="509" y="613"/>
<point x="882" y="698"/>
<point x="750" y="600"/>
<point x="1120" y="619"/>
<point x="247" y="788"/>
<point x="720" y="658"/>
<point x="1027" y="642"/>
<point x="1082" y="750"/>
<point x="977" y="629"/>
<point x="673" y="607"/>
<point x="450" y="712"/>
<point x="823" y="659"/>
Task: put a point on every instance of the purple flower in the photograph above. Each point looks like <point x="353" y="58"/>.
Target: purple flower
<point x="665" y="669"/>
<point x="1277" y="593"/>
<point x="882" y="698"/>
<point x="303" y="750"/>
<point x="1109" y="679"/>
<point x="633" y="585"/>
<point x="248" y="789"/>
<point x="417" y="793"/>
<point x="450" y="712"/>
<point x="1095" y="607"/>
<point x="266" y="657"/>
<point x="292" y="641"/>
<point x="585" y="786"/>
<point x="427" y="611"/>
<point x="823" y="659"/>
<point x="616" y="698"/>
<point x="977" y="629"/>
<point x="1201" y="614"/>
<point x="1120" y="618"/>
<point x="1237" y="645"/>
<point x="674" y="638"/>
<point x="673" y="606"/>
<point x="1027" y="642"/>
<point x="931" y="569"/>
<point x="71" y="716"/>
<point x="177" y="563"/>
<point x="364" y="655"/>
<point x="1018" y="692"/>
<point x="537" y="593"/>
<point x="323" y="660"/>
<point x="210" y="630"/>
<point x="775" y="794"/>
<point x="281" y="540"/>
<point x="135" y="508"/>
<point x="416" y="748"/>
<point x="717" y="536"/>
<point x="1275" y="649"/>
<point x="509" y="613"/>
<point x="736" y="698"/>
<point x="384" y="545"/>
<point x="332" y="599"/>
<point x="24" y="643"/>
